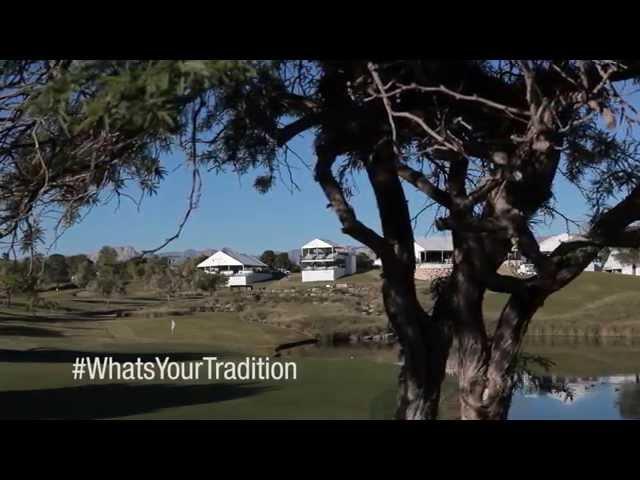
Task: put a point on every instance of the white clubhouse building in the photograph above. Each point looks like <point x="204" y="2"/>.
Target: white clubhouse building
<point x="242" y="269"/>
<point x="324" y="260"/>
<point x="435" y="251"/>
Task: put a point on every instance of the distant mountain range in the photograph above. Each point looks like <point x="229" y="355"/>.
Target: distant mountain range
<point x="186" y="254"/>
<point x="127" y="252"/>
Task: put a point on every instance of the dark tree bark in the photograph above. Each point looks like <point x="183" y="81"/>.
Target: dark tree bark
<point x="520" y="166"/>
<point x="497" y="127"/>
<point x="423" y="341"/>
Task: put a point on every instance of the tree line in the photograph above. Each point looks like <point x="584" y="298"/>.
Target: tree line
<point x="484" y="140"/>
<point x="107" y="276"/>
<point x="278" y="261"/>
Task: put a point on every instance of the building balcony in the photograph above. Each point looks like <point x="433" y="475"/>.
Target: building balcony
<point x="329" y="257"/>
<point x="321" y="267"/>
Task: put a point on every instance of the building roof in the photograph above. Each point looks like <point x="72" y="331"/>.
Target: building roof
<point x="227" y="256"/>
<point x="550" y="243"/>
<point x="245" y="259"/>
<point x="441" y="242"/>
<point x="444" y="242"/>
<point x="320" y="243"/>
<point x="544" y="238"/>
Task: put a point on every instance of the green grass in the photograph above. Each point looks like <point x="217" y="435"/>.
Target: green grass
<point x="331" y="389"/>
<point x="36" y="354"/>
<point x="594" y="303"/>
<point x="597" y="304"/>
<point x="198" y="331"/>
<point x="578" y="357"/>
<point x="36" y="381"/>
<point x="294" y="280"/>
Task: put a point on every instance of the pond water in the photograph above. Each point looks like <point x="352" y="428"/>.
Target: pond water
<point x="588" y="378"/>
<point x="615" y="397"/>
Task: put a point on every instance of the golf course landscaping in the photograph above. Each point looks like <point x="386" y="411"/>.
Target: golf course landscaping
<point x="598" y="313"/>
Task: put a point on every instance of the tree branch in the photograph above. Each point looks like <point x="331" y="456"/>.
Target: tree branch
<point x="470" y="224"/>
<point x="286" y="133"/>
<point x="504" y="283"/>
<point x="510" y="111"/>
<point x="610" y="229"/>
<point x="626" y="239"/>
<point x="481" y="193"/>
<point x="422" y="183"/>
<point x="570" y="260"/>
<point x="617" y="218"/>
<point x="334" y="193"/>
<point x="300" y="102"/>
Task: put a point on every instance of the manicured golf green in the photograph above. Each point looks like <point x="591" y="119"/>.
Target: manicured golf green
<point x="36" y="380"/>
<point x="37" y="352"/>
<point x="606" y="303"/>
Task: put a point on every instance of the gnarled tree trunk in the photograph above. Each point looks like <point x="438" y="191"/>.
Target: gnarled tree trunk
<point x="423" y="341"/>
<point x="486" y="368"/>
<point x="424" y="351"/>
<point x="517" y="157"/>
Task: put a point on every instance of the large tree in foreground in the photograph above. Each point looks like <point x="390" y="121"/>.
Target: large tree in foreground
<point x="483" y="140"/>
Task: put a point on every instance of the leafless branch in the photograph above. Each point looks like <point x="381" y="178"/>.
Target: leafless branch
<point x="512" y="112"/>
<point x="350" y="224"/>
<point x="386" y="103"/>
<point x="422" y="183"/>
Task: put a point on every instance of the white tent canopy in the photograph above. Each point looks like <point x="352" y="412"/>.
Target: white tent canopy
<point x="320" y="243"/>
<point x="230" y="258"/>
<point x="549" y="244"/>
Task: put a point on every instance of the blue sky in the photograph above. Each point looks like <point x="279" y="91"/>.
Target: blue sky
<point x="232" y="214"/>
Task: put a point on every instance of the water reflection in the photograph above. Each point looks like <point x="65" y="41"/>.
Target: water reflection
<point x="614" y="397"/>
<point x="563" y="378"/>
<point x="377" y="352"/>
<point x="582" y="340"/>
